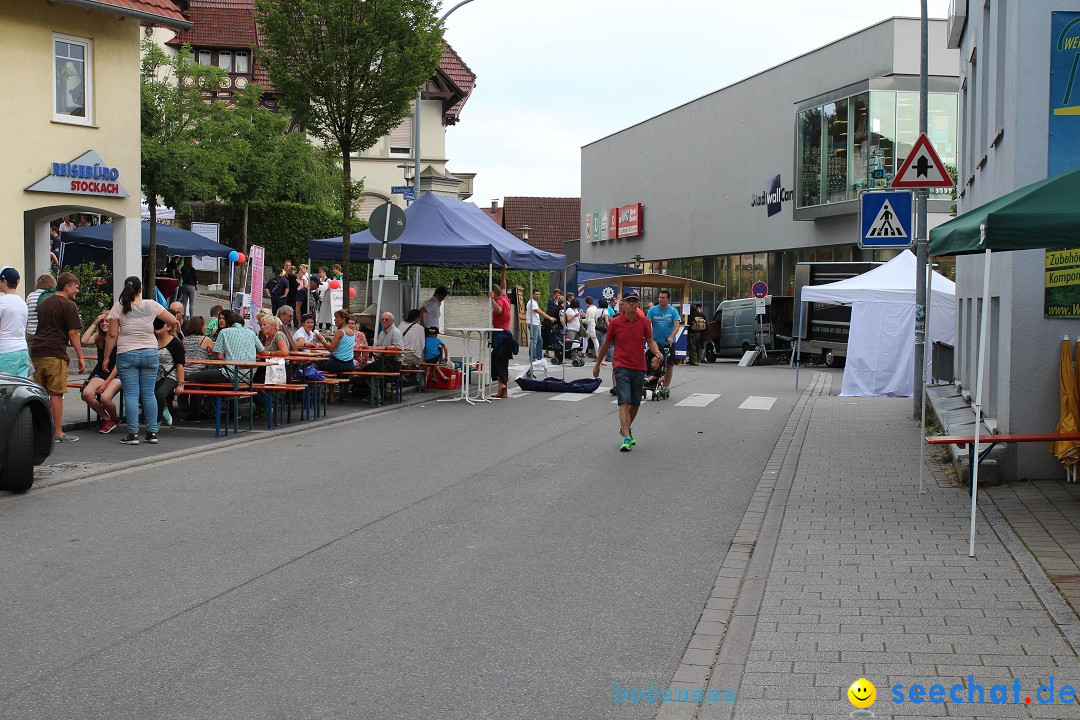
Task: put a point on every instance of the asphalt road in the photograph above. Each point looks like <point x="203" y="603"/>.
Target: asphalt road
<point x="502" y="561"/>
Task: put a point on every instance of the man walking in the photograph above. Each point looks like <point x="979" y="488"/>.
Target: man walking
<point x="629" y="331"/>
<point x="665" y="326"/>
<point x="58" y="325"/>
<point x="14" y="353"/>
<point x="533" y="314"/>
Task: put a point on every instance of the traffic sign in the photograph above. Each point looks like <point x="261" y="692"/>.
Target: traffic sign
<point x="885" y="219"/>
<point x="387" y="222"/>
<point x="401" y="189"/>
<point x="760" y="289"/>
<point x="923" y="168"/>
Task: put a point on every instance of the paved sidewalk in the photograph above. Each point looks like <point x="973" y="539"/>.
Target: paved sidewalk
<point x="853" y="574"/>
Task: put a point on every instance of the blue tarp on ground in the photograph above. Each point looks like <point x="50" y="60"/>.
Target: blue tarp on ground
<point x="443" y="232"/>
<point x="177" y="240"/>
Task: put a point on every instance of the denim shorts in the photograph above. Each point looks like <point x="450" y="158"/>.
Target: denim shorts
<point x="629" y="386"/>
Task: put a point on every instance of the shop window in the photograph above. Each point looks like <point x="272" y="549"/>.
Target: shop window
<point x="834" y="119"/>
<point x="789" y="259"/>
<point x="809" y="158"/>
<point x="843" y="253"/>
<point x="224" y="60"/>
<point x="241" y="62"/>
<point x="941" y="124"/>
<point x="859" y="169"/>
<point x="72" y="86"/>
<point x="882" y="157"/>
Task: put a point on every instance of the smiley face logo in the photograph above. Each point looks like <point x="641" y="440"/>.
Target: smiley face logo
<point x="862" y="693"/>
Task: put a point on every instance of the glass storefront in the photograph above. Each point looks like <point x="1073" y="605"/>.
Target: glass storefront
<point x="858" y="143"/>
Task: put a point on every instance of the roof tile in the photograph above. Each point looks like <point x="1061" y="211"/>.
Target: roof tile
<point x="164" y="9"/>
<point x="551" y="220"/>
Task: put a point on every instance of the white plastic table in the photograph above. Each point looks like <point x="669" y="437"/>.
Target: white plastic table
<point x="481" y="335"/>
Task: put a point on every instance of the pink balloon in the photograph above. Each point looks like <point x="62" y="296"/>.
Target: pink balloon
<point x="334" y="284"/>
<point x="352" y="292"/>
<point x="241" y="258"/>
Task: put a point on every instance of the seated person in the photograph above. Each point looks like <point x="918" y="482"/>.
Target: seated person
<point x="435" y="352"/>
<point x="101" y="387"/>
<point x="234" y="342"/>
<point x="360" y="359"/>
<point x="656" y="370"/>
<point x="341" y="345"/>
<point x="306" y="336"/>
<point x="412" y="335"/>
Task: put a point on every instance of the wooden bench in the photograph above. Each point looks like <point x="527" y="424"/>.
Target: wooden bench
<point x="276" y="401"/>
<point x="991" y="440"/>
<point x="216" y="396"/>
<point x="372" y="378"/>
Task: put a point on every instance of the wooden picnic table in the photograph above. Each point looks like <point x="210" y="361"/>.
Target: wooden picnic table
<point x="239" y="365"/>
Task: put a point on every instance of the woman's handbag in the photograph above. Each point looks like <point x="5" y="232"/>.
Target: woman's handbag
<point x="275" y="374"/>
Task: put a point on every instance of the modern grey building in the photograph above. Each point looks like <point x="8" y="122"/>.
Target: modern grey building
<point x="1014" y="131"/>
<point x="741" y="184"/>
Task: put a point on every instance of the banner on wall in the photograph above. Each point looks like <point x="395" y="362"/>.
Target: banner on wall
<point x="1061" y="293"/>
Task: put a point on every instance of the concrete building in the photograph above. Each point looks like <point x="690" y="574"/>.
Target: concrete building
<point x="1014" y="131"/>
<point x="742" y="184"/>
<point x="71" y="122"/>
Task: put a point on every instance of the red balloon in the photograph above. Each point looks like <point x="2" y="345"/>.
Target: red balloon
<point x="352" y="292"/>
<point x="334" y="284"/>
<point x="240" y="257"/>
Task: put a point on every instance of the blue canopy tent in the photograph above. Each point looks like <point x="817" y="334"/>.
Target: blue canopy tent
<point x="177" y="240"/>
<point x="443" y="232"/>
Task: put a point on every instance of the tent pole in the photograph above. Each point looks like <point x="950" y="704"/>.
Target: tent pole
<point x="973" y="460"/>
<point x="922" y="388"/>
<point x="566" y="305"/>
<point x="528" y="326"/>
<point x="798" y="345"/>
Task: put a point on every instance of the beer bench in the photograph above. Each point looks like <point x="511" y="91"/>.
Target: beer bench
<point x="372" y="377"/>
<point x="216" y="396"/>
<point x="991" y="440"/>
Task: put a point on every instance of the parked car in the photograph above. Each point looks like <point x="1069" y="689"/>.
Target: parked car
<point x="26" y="432"/>
<point x="736" y="327"/>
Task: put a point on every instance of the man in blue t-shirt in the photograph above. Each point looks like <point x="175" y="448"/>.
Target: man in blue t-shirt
<point x="665" y="324"/>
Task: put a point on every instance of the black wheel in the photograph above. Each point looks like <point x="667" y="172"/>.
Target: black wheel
<point x="745" y="347"/>
<point x="710" y="353"/>
<point x="578" y="362"/>
<point x="830" y="359"/>
<point x="17" y="473"/>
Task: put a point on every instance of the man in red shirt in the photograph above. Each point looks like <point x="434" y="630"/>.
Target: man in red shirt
<point x="630" y="331"/>
<point x="501" y="315"/>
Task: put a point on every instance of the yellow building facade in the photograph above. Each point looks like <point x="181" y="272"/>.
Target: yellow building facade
<point x="70" y="92"/>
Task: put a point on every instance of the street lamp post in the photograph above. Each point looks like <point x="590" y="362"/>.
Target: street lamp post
<point x="416" y="115"/>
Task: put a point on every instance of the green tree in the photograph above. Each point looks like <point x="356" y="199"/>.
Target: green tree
<point x="348" y="70"/>
<point x="177" y="163"/>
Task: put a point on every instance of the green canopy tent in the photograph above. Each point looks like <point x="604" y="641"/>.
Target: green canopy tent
<point x="1042" y="215"/>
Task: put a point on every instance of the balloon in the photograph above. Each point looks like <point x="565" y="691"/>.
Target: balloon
<point x="335" y="284"/>
<point x="240" y="257"/>
<point x="233" y="256"/>
<point x="352" y="292"/>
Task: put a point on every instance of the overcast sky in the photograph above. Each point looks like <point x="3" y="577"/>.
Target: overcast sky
<point x="553" y="75"/>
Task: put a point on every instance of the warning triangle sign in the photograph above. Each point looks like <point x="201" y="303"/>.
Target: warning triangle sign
<point x="923" y="168"/>
<point x="886" y="224"/>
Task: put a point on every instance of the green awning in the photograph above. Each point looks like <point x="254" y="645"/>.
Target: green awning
<point x="1044" y="214"/>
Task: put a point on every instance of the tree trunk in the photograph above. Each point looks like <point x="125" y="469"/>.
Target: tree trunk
<point x="244" y="229"/>
<point x="346" y="216"/>
<point x="151" y="202"/>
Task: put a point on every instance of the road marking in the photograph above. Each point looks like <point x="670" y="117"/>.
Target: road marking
<point x="755" y="402"/>
<point x="697" y="400"/>
<point x="569" y="396"/>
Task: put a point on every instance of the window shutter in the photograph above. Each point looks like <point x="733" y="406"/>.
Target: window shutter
<point x="401" y="136"/>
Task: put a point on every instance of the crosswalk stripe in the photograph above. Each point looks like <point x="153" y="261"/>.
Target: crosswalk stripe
<point x="697" y="400"/>
<point x="755" y="402"/>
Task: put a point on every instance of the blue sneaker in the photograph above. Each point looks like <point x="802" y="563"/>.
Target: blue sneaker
<point x="632" y="440"/>
<point x="626" y="443"/>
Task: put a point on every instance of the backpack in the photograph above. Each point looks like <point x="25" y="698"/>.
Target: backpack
<point x="44" y="294"/>
<point x="601" y="320"/>
<point x="698" y="323"/>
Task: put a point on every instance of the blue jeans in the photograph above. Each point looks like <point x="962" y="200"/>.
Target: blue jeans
<point x="536" y="343"/>
<point x="137" y="370"/>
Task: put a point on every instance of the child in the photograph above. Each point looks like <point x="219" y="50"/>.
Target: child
<point x="435" y="352"/>
<point x="655" y="374"/>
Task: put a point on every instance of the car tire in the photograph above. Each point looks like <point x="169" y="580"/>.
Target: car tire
<point x="17" y="473"/>
<point x="710" y="353"/>
<point x="831" y="359"/>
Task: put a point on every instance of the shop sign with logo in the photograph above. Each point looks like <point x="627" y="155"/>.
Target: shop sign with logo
<point x="629" y="221"/>
<point x="773" y="197"/>
<point x="613" y="224"/>
<point x="596" y="227"/>
<point x="87" y="174"/>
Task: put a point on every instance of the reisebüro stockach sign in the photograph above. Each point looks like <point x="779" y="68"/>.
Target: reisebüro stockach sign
<point x="85" y="175"/>
<point x="772" y="198"/>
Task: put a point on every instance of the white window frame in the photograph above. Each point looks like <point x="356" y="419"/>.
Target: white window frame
<point x="88" y="80"/>
<point x="222" y="54"/>
<point x="236" y="62"/>
<point x="204" y="55"/>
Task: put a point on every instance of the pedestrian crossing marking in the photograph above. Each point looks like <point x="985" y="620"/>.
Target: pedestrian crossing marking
<point x="755" y="402"/>
<point x="697" y="400"/>
<point x="886" y="224"/>
<point x="569" y="396"/>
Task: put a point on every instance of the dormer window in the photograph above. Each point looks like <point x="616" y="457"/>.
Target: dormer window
<point x="224" y="60"/>
<point x="241" y="62"/>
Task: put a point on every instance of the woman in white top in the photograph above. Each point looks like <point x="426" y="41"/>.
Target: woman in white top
<point x="590" y="327"/>
<point x="573" y="320"/>
<point x="131" y="332"/>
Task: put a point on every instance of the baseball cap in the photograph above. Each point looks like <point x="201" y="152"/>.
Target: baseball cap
<point x="631" y="295"/>
<point x="10" y="275"/>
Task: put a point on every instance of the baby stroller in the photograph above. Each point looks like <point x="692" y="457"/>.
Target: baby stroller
<point x="654" y="377"/>
<point x="563" y="348"/>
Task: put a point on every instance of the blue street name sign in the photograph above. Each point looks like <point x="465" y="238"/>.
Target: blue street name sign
<point x="886" y="219"/>
<point x="401" y="189"/>
<point x="409" y="195"/>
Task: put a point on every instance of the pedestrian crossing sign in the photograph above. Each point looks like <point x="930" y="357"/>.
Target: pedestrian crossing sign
<point x="885" y="219"/>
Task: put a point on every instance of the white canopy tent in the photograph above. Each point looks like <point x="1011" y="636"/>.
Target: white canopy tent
<point x="881" y="341"/>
